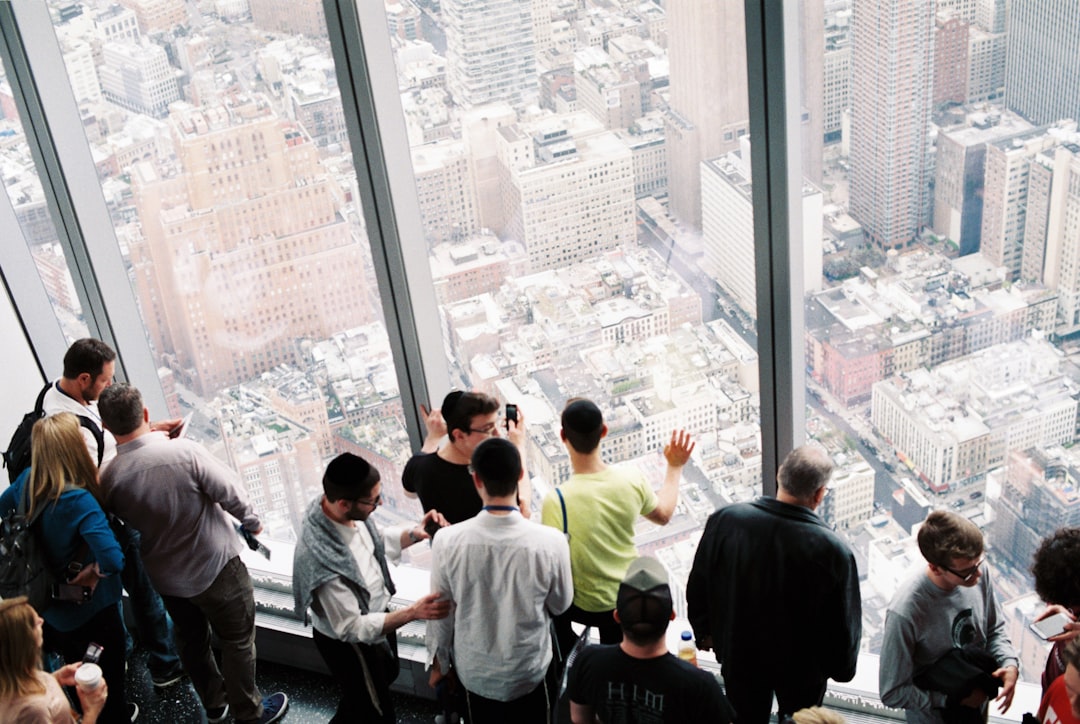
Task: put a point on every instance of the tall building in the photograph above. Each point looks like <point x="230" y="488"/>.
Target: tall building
<point x="890" y="118"/>
<point x="567" y="190"/>
<point x="1005" y="196"/>
<point x="709" y="110"/>
<point x="305" y="17"/>
<point x="1038" y="496"/>
<point x="959" y="175"/>
<point x="449" y="210"/>
<point x="1042" y="72"/>
<point x="490" y="51"/>
<point x="837" y="79"/>
<point x="728" y="230"/>
<point x="1052" y="244"/>
<point x="245" y="225"/>
<point x="139" y="78"/>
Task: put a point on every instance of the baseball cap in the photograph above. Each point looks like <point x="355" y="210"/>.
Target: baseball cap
<point x="644" y="599"/>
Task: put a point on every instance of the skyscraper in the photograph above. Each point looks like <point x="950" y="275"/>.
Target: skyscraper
<point x="1042" y="71"/>
<point x="246" y="224"/>
<point x="490" y="51"/>
<point x="709" y="109"/>
<point x="890" y="118"/>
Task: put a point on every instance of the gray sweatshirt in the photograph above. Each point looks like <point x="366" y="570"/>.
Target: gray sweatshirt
<point x="923" y="622"/>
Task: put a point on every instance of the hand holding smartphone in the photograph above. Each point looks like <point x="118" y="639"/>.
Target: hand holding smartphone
<point x="1051" y="626"/>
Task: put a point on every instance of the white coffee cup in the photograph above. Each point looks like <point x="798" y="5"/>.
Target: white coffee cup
<point x="88" y="677"/>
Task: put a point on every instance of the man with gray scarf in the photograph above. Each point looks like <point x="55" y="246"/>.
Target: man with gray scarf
<point x="340" y="571"/>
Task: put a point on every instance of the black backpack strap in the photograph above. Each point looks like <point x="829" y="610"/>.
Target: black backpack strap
<point x="98" y="433"/>
<point x="39" y="405"/>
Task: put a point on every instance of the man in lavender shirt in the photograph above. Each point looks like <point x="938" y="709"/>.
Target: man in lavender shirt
<point x="179" y="495"/>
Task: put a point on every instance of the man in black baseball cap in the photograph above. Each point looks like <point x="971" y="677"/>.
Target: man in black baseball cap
<point x="638" y="680"/>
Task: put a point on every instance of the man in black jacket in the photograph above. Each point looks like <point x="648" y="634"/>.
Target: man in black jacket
<point x="776" y="594"/>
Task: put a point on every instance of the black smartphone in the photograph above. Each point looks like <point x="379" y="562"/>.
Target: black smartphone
<point x="93" y="653"/>
<point x="73" y="594"/>
<point x="511" y="414"/>
<point x="432" y="528"/>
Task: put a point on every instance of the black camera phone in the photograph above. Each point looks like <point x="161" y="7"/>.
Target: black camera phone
<point x="431" y="528"/>
<point x="93" y="653"/>
<point x="511" y="414"/>
<point x="71" y="593"/>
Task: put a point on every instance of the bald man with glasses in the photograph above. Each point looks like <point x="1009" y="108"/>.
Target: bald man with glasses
<point x="947" y="606"/>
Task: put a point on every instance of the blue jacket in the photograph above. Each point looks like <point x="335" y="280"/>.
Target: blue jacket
<point x="65" y="524"/>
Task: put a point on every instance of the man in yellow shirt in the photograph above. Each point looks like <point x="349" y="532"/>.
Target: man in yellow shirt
<point x="597" y="508"/>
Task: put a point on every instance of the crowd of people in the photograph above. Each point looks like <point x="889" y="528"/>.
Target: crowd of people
<point x="773" y="590"/>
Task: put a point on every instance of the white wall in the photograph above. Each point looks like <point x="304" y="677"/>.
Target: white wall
<point x="21" y="378"/>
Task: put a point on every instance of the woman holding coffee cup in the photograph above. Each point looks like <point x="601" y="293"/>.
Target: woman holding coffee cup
<point x="26" y="692"/>
<point x="76" y="538"/>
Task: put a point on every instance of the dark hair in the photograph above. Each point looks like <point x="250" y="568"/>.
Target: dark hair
<point x="87" y="355"/>
<point x="582" y="424"/>
<point x="804" y="471"/>
<point x="349" y="477"/>
<point x="946" y="535"/>
<point x="121" y="408"/>
<point x="1056" y="566"/>
<point x="467" y="406"/>
<point x="497" y="463"/>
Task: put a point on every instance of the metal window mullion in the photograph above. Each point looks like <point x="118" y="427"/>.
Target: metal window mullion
<point x="772" y="79"/>
<point x="72" y="191"/>
<point x="360" y="42"/>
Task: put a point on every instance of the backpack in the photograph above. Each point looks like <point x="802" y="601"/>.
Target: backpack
<point x="17" y="457"/>
<point x="24" y="568"/>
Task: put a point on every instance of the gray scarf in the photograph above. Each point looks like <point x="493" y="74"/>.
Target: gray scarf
<point x="322" y="555"/>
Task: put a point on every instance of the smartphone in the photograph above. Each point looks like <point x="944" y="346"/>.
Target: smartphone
<point x="432" y="528"/>
<point x="93" y="653"/>
<point x="73" y="594"/>
<point x="181" y="430"/>
<point x="511" y="414"/>
<point x="1051" y="626"/>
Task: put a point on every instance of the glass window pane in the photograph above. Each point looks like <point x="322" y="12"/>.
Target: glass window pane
<point x="584" y="190"/>
<point x="938" y="340"/>
<point x="38" y="231"/>
<point x="219" y="139"/>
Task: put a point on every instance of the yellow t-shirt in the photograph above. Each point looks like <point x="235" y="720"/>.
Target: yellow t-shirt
<point x="601" y="509"/>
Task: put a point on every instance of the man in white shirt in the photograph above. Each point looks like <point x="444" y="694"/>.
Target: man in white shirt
<point x="508" y="578"/>
<point x="340" y="570"/>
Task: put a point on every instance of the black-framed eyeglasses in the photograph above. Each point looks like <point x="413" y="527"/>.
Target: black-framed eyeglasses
<point x="488" y="429"/>
<point x="968" y="573"/>
<point x="373" y="503"/>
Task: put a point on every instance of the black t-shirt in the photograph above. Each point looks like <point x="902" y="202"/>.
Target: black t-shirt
<point x="625" y="690"/>
<point x="446" y="487"/>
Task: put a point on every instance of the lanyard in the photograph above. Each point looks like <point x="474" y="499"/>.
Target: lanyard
<point x="500" y="507"/>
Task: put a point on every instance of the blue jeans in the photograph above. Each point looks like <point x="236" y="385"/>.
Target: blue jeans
<point x="151" y="621"/>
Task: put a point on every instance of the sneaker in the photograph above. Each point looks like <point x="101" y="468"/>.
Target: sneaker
<point x="216" y="716"/>
<point x="168" y="678"/>
<point x="133" y="710"/>
<point x="274" y="707"/>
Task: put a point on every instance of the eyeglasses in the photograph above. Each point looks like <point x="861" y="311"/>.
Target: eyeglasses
<point x="373" y="503"/>
<point x="968" y="573"/>
<point x="488" y="429"/>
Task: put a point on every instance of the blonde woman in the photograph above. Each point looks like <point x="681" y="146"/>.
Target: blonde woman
<point x="28" y="694"/>
<point x="76" y="535"/>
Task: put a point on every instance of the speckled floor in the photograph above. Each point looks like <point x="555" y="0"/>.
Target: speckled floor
<point x="312" y="698"/>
